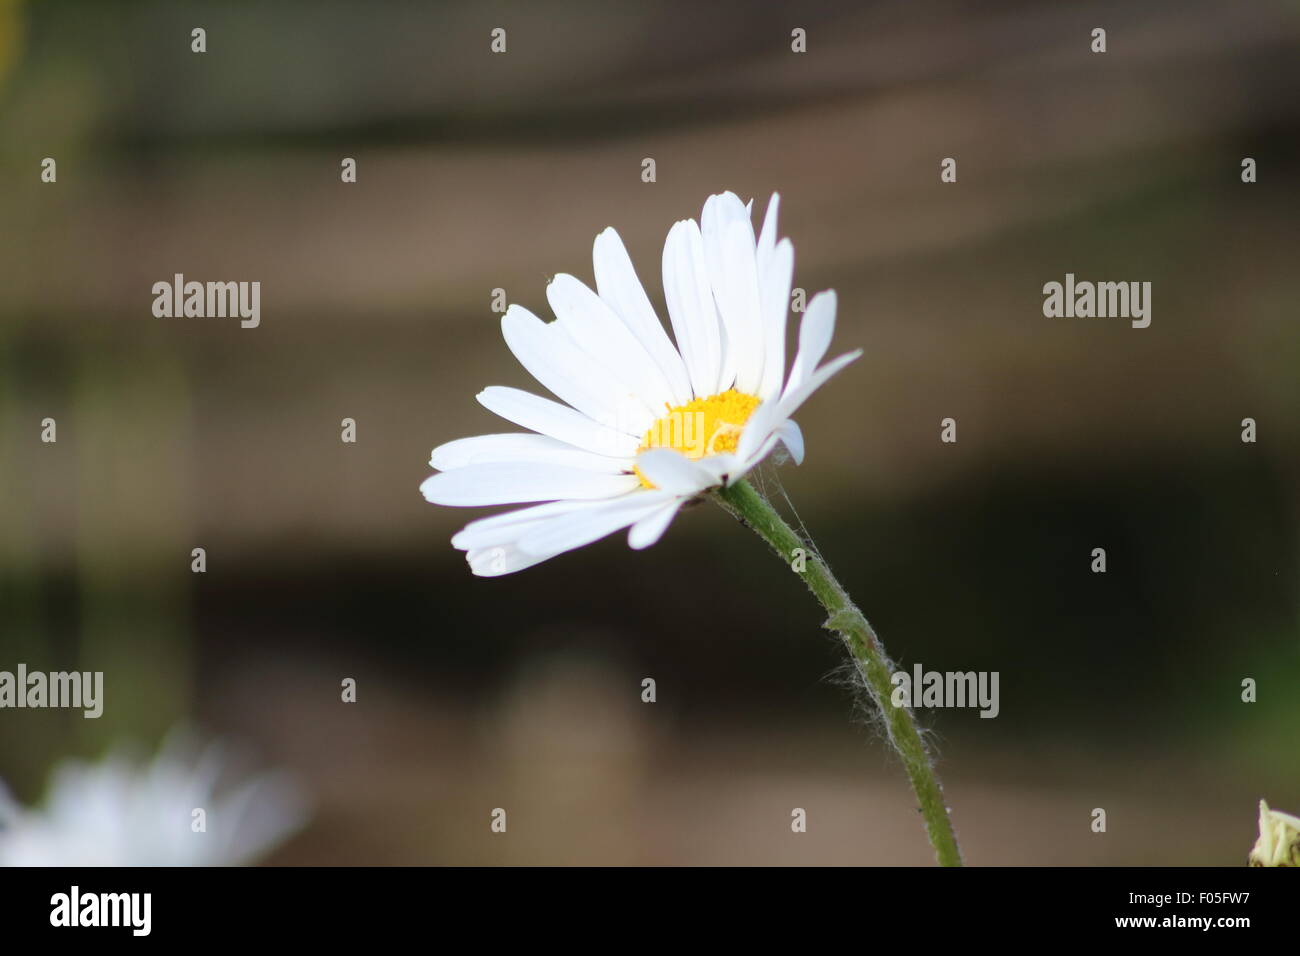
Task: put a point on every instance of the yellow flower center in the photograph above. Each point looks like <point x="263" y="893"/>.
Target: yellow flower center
<point x="704" y="426"/>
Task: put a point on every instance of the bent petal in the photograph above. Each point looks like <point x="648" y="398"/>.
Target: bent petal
<point x="674" y="472"/>
<point x="652" y="527"/>
<point x="582" y="527"/>
<point x="815" y="333"/>
<point x="791" y="436"/>
<point x="507" y="527"/>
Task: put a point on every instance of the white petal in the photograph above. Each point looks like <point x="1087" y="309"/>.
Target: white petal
<point x="770" y="422"/>
<point x="720" y="211"/>
<point x="508" y="482"/>
<point x="506" y="528"/>
<point x="736" y="291"/>
<point x="690" y="307"/>
<point x="814" y="337"/>
<point x="599" y="332"/>
<point x="617" y="283"/>
<point x="767" y="236"/>
<point x="729" y="253"/>
<point x="791" y="401"/>
<point x="673" y="472"/>
<point x="775" y="277"/>
<point x="579" y="528"/>
<point x="502" y="559"/>
<point x="486" y="449"/>
<point x="727" y="362"/>
<point x="792" y="437"/>
<point x="762" y="424"/>
<point x="651" y="528"/>
<point x="552" y="357"/>
<point x="558" y="421"/>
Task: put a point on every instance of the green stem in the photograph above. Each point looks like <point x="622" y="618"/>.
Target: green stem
<point x="753" y="510"/>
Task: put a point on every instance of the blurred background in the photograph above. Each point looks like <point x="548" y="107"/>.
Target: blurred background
<point x="478" y="171"/>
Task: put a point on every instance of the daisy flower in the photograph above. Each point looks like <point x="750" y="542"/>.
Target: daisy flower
<point x="642" y="425"/>
<point x="122" y="811"/>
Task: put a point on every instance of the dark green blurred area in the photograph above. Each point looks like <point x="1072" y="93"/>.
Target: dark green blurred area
<point x="478" y="171"/>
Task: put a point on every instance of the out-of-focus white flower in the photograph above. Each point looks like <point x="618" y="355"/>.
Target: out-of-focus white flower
<point x="646" y="425"/>
<point x="1279" y="839"/>
<point x="124" y="811"/>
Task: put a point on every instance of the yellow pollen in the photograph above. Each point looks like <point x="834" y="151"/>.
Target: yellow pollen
<point x="701" y="427"/>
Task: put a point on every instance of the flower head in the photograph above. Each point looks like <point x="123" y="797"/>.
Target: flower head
<point x="123" y="812"/>
<point x="642" y="425"/>
<point x="1279" y="839"/>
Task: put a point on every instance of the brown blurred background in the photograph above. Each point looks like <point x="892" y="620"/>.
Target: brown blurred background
<point x="478" y="171"/>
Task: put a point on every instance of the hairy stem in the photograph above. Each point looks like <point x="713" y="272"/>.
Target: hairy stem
<point x="753" y="510"/>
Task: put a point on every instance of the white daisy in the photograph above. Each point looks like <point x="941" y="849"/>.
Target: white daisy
<point x="122" y="812"/>
<point x="642" y="426"/>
